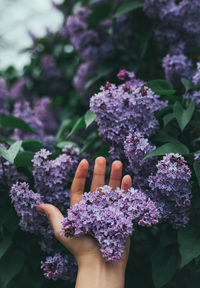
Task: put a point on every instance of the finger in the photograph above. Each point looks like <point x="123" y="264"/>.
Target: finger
<point x="115" y="174"/>
<point x="55" y="218"/>
<point x="98" y="179"/>
<point x="78" y="183"/>
<point x="126" y="182"/>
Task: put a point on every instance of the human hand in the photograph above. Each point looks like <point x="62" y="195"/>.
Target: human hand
<point x="85" y="249"/>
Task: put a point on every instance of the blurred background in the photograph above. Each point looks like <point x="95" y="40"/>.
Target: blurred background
<point x="18" y="17"/>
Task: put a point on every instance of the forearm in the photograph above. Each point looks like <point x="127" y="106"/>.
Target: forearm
<point x="100" y="275"/>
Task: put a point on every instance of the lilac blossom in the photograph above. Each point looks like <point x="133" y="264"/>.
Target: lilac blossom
<point x="108" y="215"/>
<point x="194" y="96"/>
<point x="17" y="90"/>
<point x="159" y="8"/>
<point x="52" y="176"/>
<point x="136" y="147"/>
<point x="124" y="109"/>
<point x="197" y="156"/>
<point x="171" y="189"/>
<point x="177" y="66"/>
<point x="60" y="267"/>
<point x="3" y="97"/>
<point x="196" y="77"/>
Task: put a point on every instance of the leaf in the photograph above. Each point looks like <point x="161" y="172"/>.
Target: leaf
<point x="89" y="118"/>
<point x="4" y="245"/>
<point x="186" y="83"/>
<point x="183" y="117"/>
<point x="98" y="14"/>
<point x="164" y="265"/>
<point x="162" y="136"/>
<point x="13" y="151"/>
<point x="65" y="125"/>
<point x="32" y="145"/>
<point x="4" y="153"/>
<point x="171" y="147"/>
<point x="24" y="159"/>
<point x="196" y="166"/>
<point x="159" y="84"/>
<point x="189" y="241"/>
<point x="14" y="122"/>
<point x="128" y="6"/>
<point x="167" y="118"/>
<point x="80" y="123"/>
<point x="10" y="266"/>
<point x="165" y="92"/>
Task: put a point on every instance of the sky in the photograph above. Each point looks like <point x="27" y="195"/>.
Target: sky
<point x="19" y="16"/>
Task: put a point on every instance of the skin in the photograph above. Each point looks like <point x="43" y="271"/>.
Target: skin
<point x="93" y="270"/>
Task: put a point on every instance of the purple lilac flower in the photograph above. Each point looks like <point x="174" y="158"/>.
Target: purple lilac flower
<point x="136" y="147"/>
<point x="197" y="157"/>
<point x="23" y="111"/>
<point x="124" y="109"/>
<point x="52" y="176"/>
<point x="25" y="202"/>
<point x="17" y="89"/>
<point x="194" y="96"/>
<point x="60" y="267"/>
<point x="171" y="189"/>
<point x="177" y="66"/>
<point x="108" y="216"/>
<point x="159" y="8"/>
<point x="196" y="77"/>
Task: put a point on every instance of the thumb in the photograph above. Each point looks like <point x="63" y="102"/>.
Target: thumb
<point x="54" y="216"/>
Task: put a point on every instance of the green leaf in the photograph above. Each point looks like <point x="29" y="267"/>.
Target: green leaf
<point x="24" y="159"/>
<point x="14" y="150"/>
<point x="4" y="245"/>
<point x="172" y="147"/>
<point x="65" y="125"/>
<point x="182" y="116"/>
<point x="186" y="83"/>
<point x="10" y="266"/>
<point x="196" y="166"/>
<point x="14" y="122"/>
<point x="80" y="123"/>
<point x="189" y="241"/>
<point x="32" y="145"/>
<point x="128" y="6"/>
<point x="165" y="92"/>
<point x="167" y="118"/>
<point x="159" y="84"/>
<point x="89" y="118"/>
<point x="164" y="265"/>
<point x="98" y="14"/>
<point x="4" y="153"/>
<point x="162" y="136"/>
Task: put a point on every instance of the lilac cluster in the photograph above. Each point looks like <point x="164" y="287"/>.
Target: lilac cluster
<point x="17" y="90"/>
<point x="136" y="147"/>
<point x="109" y="215"/>
<point x="171" y="189"/>
<point x="195" y="94"/>
<point x="40" y="118"/>
<point x="25" y="202"/>
<point x="59" y="267"/>
<point x="176" y="67"/>
<point x="197" y="156"/>
<point x="124" y="109"/>
<point x="93" y="45"/>
<point x="51" y="176"/>
<point x="178" y="28"/>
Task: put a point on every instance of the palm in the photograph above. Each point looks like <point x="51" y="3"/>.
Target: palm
<point x="85" y="246"/>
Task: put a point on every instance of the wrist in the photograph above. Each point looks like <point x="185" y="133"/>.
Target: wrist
<point x="100" y="274"/>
